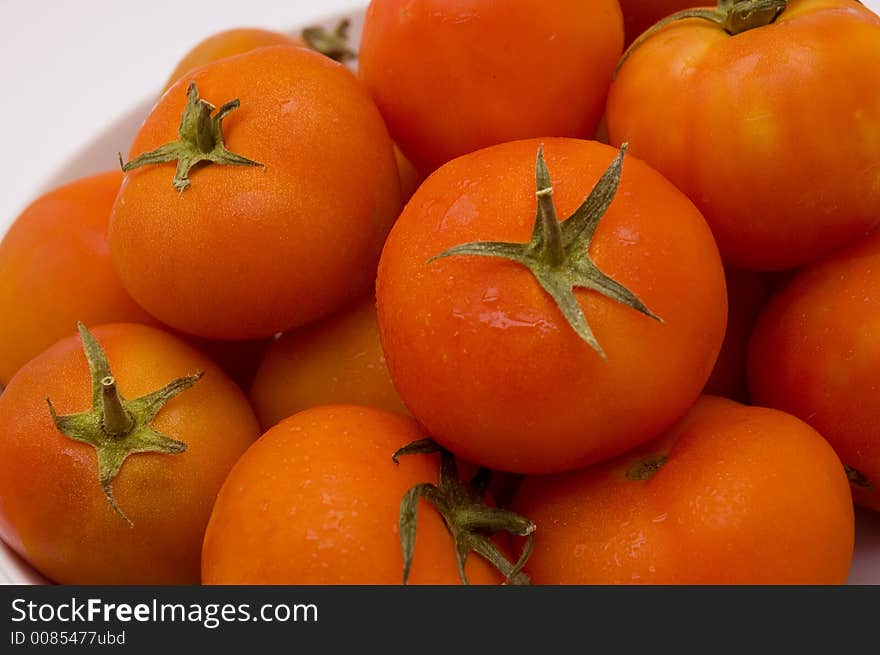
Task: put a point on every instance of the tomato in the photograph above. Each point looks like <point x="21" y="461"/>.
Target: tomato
<point x="815" y="354"/>
<point x="238" y="359"/>
<point x="55" y="270"/>
<point x="245" y="251"/>
<point x="453" y="76"/>
<point x="80" y="519"/>
<point x="639" y="15"/>
<point x="747" y="293"/>
<point x="724" y="118"/>
<point x="507" y="376"/>
<point x="732" y="495"/>
<point x="336" y="361"/>
<point x="316" y="500"/>
<point x="226" y="44"/>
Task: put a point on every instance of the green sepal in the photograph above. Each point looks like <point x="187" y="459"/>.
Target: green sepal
<point x="200" y="139"/>
<point x="113" y="444"/>
<point x="558" y="253"/>
<point x="470" y="522"/>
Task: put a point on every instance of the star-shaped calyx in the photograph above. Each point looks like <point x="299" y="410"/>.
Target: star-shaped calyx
<point x="558" y="254"/>
<point x="330" y="43"/>
<point x="200" y="139"/>
<point x="470" y="521"/>
<point x="114" y="426"/>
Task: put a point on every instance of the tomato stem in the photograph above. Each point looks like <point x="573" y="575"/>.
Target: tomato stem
<point x="200" y="139"/>
<point x="117" y="421"/>
<point x="115" y="427"/>
<point x="733" y="16"/>
<point x="558" y="254"/>
<point x="333" y="43"/>
<point x="469" y="520"/>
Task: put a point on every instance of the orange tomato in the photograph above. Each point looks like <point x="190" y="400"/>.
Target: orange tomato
<point x="248" y="251"/>
<point x="53" y="510"/>
<point x="226" y="44"/>
<point x="815" y="354"/>
<point x="482" y="355"/>
<point x="453" y="76"/>
<point x="55" y="270"/>
<point x="336" y="361"/>
<point x="723" y="117"/>
<point x="316" y="500"/>
<point x="732" y="495"/>
<point x="747" y="293"/>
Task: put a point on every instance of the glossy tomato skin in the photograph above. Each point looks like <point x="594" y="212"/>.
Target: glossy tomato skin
<point x="316" y="501"/>
<point x="746" y="495"/>
<point x="723" y="118"/>
<point x="815" y="354"/>
<point x="747" y="294"/>
<point x="453" y="76"/>
<point x="481" y="354"/>
<point x="52" y="509"/>
<point x="639" y="15"/>
<point x="55" y="270"/>
<point x="246" y="252"/>
<point x="335" y="361"/>
<point x="227" y="44"/>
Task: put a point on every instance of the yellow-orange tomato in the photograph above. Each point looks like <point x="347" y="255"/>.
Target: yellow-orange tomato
<point x="481" y="353"/>
<point x="732" y="495"/>
<point x="53" y="511"/>
<point x="226" y="44"/>
<point x="336" y="361"/>
<point x="248" y="251"/>
<point x="316" y="500"/>
<point x="55" y="270"/>
<point x="815" y="353"/>
<point x="773" y="132"/>
<point x="453" y="76"/>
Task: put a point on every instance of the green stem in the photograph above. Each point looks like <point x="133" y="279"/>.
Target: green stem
<point x="200" y="139"/>
<point x="116" y="420"/>
<point x="332" y="43"/>
<point x="469" y="520"/>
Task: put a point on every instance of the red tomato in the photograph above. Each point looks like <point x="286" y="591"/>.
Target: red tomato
<point x="639" y="15"/>
<point x="481" y="353"/>
<point x="57" y="497"/>
<point x="317" y="501"/>
<point x="815" y="354"/>
<point x="774" y="132"/>
<point x="335" y="361"/>
<point x="453" y="76"/>
<point x="732" y="495"/>
<point x="747" y="293"/>
<point x="246" y="251"/>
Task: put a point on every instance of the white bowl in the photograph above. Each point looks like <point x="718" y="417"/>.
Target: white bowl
<point x="95" y="157"/>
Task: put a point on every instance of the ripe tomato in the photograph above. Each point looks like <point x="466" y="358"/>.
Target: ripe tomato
<point x="724" y="118"/>
<point x="639" y="15"/>
<point x="747" y="293"/>
<point x="57" y="498"/>
<point x="732" y="495"/>
<point x="226" y="44"/>
<point x="453" y="76"/>
<point x="55" y="270"/>
<point x="484" y="357"/>
<point x="815" y="354"/>
<point x="336" y="361"/>
<point x="247" y="251"/>
<point x="316" y="500"/>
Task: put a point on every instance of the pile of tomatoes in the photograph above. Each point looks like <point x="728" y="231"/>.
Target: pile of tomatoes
<point x="510" y="304"/>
